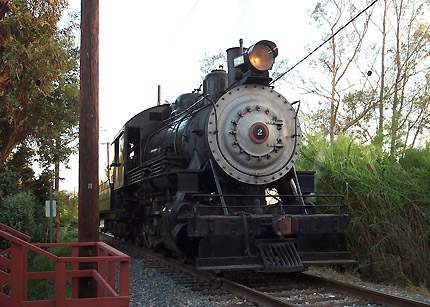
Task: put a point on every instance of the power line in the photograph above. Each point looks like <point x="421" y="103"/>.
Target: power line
<point x="323" y="43"/>
<point x="183" y="22"/>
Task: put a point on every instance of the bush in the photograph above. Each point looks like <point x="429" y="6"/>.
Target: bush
<point x="389" y="206"/>
<point x="18" y="211"/>
<point x="418" y="159"/>
<point x="8" y="183"/>
<point x="67" y="215"/>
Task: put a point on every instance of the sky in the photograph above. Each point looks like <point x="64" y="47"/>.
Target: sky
<point x="143" y="44"/>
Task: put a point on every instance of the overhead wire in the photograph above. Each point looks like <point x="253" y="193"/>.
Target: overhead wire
<point x="183" y="22"/>
<point x="324" y="42"/>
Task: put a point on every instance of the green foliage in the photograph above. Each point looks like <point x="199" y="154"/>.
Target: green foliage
<point x="18" y="212"/>
<point x="416" y="158"/>
<point x="23" y="196"/>
<point x="9" y="183"/>
<point x="24" y="212"/>
<point x="18" y="174"/>
<point x="389" y="205"/>
<point x="39" y="79"/>
<point x="39" y="101"/>
<point x="67" y="215"/>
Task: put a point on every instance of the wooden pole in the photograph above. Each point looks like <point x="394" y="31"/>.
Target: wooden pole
<point x="58" y="229"/>
<point x="89" y="140"/>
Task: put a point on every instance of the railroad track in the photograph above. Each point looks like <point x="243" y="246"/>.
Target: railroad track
<point x="259" y="289"/>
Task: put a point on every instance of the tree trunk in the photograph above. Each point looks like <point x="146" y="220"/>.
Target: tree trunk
<point x="333" y="93"/>
<point x="9" y="146"/>
<point x="57" y="176"/>
<point x="381" y="93"/>
<point x="395" y="114"/>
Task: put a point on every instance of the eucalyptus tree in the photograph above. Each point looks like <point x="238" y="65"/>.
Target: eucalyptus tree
<point x="407" y="80"/>
<point x="337" y="63"/>
<point x="38" y="76"/>
<point x="387" y="105"/>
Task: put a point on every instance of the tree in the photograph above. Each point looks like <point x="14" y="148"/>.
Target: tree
<point x="409" y="82"/>
<point x="38" y="80"/>
<point x="336" y="62"/>
<point x="382" y="87"/>
<point x="390" y="106"/>
<point x="211" y="61"/>
<point x="56" y="145"/>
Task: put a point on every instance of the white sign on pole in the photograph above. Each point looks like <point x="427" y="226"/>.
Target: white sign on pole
<point x="48" y="206"/>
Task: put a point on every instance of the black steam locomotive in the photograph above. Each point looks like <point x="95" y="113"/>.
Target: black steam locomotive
<point x="211" y="177"/>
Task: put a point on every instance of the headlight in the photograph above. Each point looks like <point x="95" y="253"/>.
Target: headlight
<point x="260" y="56"/>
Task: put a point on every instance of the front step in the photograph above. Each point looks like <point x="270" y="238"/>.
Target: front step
<point x="280" y="257"/>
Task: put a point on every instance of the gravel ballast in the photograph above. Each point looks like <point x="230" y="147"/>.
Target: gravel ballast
<point x="149" y="287"/>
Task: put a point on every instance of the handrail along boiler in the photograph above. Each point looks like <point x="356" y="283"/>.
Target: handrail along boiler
<point x="212" y="177"/>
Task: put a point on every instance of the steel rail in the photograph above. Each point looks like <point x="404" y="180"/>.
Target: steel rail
<point x="376" y="295"/>
<point x="253" y="295"/>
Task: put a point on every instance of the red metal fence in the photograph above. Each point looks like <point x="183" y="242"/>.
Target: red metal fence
<point x="14" y="275"/>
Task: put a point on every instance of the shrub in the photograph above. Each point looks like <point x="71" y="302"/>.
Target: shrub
<point x="18" y="211"/>
<point x="8" y="183"/>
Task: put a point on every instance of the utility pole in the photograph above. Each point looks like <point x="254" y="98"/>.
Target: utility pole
<point x="88" y="224"/>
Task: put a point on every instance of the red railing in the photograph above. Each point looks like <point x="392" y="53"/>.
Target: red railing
<point x="14" y="275"/>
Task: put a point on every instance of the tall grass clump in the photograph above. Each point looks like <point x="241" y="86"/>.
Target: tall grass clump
<point x="389" y="203"/>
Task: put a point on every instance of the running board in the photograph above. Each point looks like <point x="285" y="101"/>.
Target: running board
<point x="280" y="257"/>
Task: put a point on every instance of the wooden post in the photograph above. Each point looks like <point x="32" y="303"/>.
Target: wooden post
<point x="58" y="228"/>
<point x="75" y="266"/>
<point x="57" y="166"/>
<point x="89" y="141"/>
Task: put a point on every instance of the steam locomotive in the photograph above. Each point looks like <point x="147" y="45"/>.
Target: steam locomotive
<point x="211" y="177"/>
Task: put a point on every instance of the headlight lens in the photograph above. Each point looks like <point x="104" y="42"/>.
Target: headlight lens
<point x="261" y="57"/>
